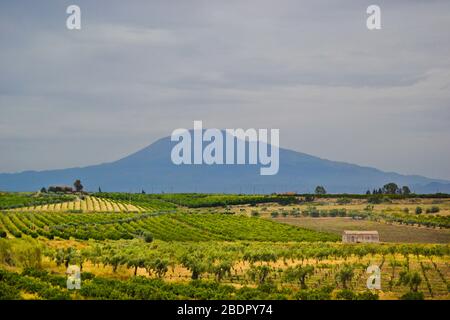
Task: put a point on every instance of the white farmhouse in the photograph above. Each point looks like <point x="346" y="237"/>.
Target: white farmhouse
<point x="353" y="236"/>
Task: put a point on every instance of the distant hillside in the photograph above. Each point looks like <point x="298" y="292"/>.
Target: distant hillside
<point x="151" y="169"/>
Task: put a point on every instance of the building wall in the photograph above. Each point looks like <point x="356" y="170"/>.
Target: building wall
<point x="354" y="238"/>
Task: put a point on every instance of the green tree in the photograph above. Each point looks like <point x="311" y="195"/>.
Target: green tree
<point x="158" y="265"/>
<point x="65" y="256"/>
<point x="390" y="188"/>
<point x="115" y="261"/>
<point x="345" y="275"/>
<point x="259" y="274"/>
<point x="299" y="273"/>
<point x="194" y="262"/>
<point x="320" y="190"/>
<point x="136" y="262"/>
<point x="418" y="210"/>
<point x="410" y="279"/>
<point x="78" y="186"/>
<point x="221" y="269"/>
<point x="406" y="190"/>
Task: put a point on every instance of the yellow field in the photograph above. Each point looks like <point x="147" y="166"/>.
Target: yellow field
<point x="88" y="204"/>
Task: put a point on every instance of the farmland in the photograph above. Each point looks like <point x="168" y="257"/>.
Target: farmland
<point x="97" y="204"/>
<point x="242" y="270"/>
<point x="388" y="232"/>
<point x="27" y="199"/>
<point x="168" y="227"/>
<point x="182" y="246"/>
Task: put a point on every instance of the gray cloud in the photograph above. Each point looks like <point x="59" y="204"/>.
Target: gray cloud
<point x="137" y="71"/>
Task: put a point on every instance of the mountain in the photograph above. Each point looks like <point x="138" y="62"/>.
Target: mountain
<point x="152" y="170"/>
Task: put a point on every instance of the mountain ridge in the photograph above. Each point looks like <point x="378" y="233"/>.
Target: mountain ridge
<point x="151" y="169"/>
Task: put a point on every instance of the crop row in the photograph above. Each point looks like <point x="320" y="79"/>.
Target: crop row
<point x="95" y="204"/>
<point x="167" y="226"/>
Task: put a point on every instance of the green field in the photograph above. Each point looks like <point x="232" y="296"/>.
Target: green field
<point x="165" y="226"/>
<point x="26" y="199"/>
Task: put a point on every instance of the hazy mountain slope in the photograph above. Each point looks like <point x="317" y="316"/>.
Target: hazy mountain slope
<point x="152" y="170"/>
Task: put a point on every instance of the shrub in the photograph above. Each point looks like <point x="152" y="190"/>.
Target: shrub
<point x="313" y="212"/>
<point x="342" y="212"/>
<point x="343" y="201"/>
<point x="418" y="210"/>
<point x="323" y="213"/>
<point x="8" y="292"/>
<point x="323" y="293"/>
<point x="255" y="213"/>
<point x="346" y="295"/>
<point x="367" y="295"/>
<point x="148" y="237"/>
<point x="274" y="214"/>
<point x="375" y="199"/>
<point x="87" y="276"/>
<point x="295" y="213"/>
<point x="412" y="296"/>
<point x="433" y="209"/>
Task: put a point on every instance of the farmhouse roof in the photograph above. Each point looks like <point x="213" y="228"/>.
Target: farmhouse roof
<point x="360" y="232"/>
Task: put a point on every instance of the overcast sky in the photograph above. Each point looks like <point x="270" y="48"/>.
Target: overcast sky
<point x="137" y="70"/>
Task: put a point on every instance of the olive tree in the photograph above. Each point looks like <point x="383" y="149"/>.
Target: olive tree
<point x="299" y="273"/>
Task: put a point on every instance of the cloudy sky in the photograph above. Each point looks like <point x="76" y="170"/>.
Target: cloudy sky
<point x="137" y="70"/>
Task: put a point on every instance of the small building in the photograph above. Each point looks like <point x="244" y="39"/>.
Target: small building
<point x="353" y="236"/>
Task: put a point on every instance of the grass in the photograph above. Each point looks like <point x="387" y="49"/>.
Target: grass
<point x="388" y="232"/>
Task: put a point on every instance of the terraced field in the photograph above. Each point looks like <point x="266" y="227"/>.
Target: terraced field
<point x="95" y="204"/>
<point x="9" y="200"/>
